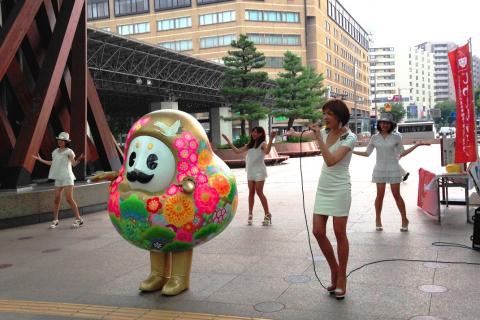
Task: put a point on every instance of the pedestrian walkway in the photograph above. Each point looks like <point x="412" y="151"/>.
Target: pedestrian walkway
<point x="261" y="272"/>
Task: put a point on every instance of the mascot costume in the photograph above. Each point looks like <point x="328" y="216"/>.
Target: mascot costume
<point x="171" y="194"/>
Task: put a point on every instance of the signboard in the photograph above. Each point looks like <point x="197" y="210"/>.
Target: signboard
<point x="447" y="146"/>
<point x="435" y="113"/>
<point x="428" y="192"/>
<point x="412" y="112"/>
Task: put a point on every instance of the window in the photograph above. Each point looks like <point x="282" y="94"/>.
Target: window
<point x="127" y="29"/>
<point x="217" y="17"/>
<point x="220" y="41"/>
<point x="171" y="4"/>
<point x="200" y="2"/>
<point x="275" y="39"/>
<point x="128" y="7"/>
<point x="177" y="23"/>
<point x="272" y="16"/>
<point x="97" y="9"/>
<point x="180" y="45"/>
<point x="274" y="62"/>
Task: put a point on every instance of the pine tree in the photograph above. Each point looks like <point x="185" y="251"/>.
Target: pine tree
<point x="242" y="86"/>
<point x="299" y="93"/>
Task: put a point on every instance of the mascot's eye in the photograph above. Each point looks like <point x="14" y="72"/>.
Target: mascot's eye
<point x="152" y="161"/>
<point x="131" y="160"/>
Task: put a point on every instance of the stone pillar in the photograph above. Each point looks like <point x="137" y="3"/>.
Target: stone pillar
<point x="219" y="126"/>
<point x="159" y="105"/>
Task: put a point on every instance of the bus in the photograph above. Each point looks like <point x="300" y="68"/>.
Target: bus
<point x="417" y="130"/>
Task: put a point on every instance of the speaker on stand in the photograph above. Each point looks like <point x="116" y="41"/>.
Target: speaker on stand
<point x="476" y="230"/>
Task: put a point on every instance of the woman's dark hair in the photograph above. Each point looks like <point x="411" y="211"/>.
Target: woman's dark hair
<point x="392" y="126"/>
<point x="256" y="143"/>
<point x="339" y="109"/>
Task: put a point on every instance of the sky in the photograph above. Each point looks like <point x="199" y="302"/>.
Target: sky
<point x="404" y="23"/>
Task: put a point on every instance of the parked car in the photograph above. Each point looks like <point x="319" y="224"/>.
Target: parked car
<point x="446" y="132"/>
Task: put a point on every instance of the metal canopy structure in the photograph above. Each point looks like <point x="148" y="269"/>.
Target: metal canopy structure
<point x="126" y="66"/>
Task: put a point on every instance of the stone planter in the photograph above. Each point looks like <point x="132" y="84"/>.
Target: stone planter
<point x="234" y="160"/>
<point x="296" y="149"/>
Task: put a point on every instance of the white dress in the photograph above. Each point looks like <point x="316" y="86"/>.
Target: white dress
<point x="333" y="196"/>
<point x="256" y="168"/>
<point x="61" y="168"/>
<point x="387" y="169"/>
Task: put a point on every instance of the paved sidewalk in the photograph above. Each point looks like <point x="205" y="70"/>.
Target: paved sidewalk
<point x="260" y="271"/>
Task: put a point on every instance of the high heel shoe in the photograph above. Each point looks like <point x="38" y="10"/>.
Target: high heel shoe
<point x="267" y="220"/>
<point x="331" y="289"/>
<point x="404" y="227"/>
<point x="379" y="228"/>
<point x="339" y="294"/>
<point x="250" y="219"/>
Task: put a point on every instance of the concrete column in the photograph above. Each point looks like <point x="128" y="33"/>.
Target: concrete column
<point x="219" y="126"/>
<point x="159" y="105"/>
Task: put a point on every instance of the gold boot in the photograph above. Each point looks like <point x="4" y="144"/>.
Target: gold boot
<point x="161" y="264"/>
<point x="180" y="279"/>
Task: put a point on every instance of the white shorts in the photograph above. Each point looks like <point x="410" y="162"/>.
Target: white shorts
<point x="63" y="182"/>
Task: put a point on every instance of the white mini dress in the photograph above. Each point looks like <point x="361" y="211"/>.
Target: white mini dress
<point x="255" y="166"/>
<point x="387" y="169"/>
<point x="61" y="168"/>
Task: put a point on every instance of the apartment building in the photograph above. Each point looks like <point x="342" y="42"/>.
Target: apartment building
<point x="443" y="81"/>
<point x="382" y="77"/>
<point x="323" y="33"/>
<point x="476" y="71"/>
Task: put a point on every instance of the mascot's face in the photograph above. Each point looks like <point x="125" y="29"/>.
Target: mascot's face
<point x="150" y="165"/>
<point x="167" y="151"/>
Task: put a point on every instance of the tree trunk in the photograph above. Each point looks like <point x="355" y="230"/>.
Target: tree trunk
<point x="243" y="132"/>
<point x="290" y="123"/>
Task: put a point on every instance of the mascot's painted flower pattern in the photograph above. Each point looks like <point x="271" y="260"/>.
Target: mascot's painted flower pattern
<point x="168" y="219"/>
<point x="178" y="210"/>
<point x="206" y="198"/>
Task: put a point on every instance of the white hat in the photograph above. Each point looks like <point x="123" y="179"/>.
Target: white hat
<point x="386" y="117"/>
<point x="63" y="136"/>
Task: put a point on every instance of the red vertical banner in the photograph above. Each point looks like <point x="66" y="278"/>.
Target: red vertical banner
<point x="466" y="139"/>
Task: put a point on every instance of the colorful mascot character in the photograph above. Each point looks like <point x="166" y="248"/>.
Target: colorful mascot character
<point x="171" y="194"/>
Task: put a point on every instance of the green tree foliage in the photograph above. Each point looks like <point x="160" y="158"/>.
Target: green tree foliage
<point x="241" y="85"/>
<point x="299" y="92"/>
<point x="446" y="109"/>
<point x="398" y="111"/>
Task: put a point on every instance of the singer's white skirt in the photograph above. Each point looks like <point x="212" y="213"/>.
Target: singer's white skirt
<point x="334" y="196"/>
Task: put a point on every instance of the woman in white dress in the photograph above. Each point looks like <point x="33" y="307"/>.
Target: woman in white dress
<point x="63" y="158"/>
<point x="387" y="169"/>
<point x="256" y="170"/>
<point x="333" y="197"/>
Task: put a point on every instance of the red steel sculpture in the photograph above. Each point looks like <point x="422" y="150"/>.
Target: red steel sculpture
<point x="46" y="88"/>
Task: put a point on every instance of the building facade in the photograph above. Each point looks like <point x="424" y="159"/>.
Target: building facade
<point x="476" y="71"/>
<point x="443" y="81"/>
<point x="323" y="33"/>
<point x="383" y="82"/>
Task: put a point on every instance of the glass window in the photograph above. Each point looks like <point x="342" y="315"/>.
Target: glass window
<point x="181" y="45"/>
<point x="133" y="28"/>
<point x="272" y="16"/>
<point x="275" y="39"/>
<point x="220" y="41"/>
<point x="210" y="1"/>
<point x="128" y="7"/>
<point x="274" y="62"/>
<point x="217" y="17"/>
<point x="97" y="9"/>
<point x="171" y="4"/>
<point x="177" y="23"/>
